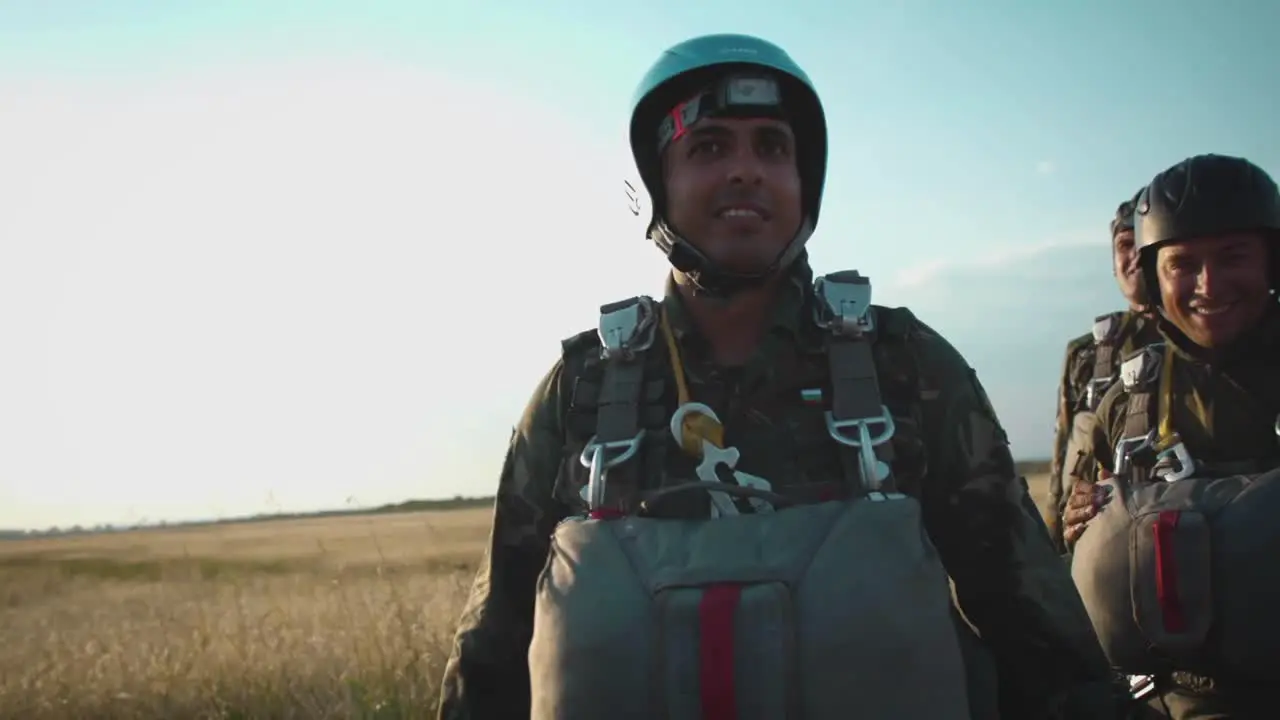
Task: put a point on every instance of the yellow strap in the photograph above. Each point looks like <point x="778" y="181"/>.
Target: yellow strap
<point x="1166" y="401"/>
<point x="697" y="427"/>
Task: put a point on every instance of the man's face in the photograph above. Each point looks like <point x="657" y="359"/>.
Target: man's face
<point x="1215" y="288"/>
<point x="1124" y="265"/>
<point x="733" y="190"/>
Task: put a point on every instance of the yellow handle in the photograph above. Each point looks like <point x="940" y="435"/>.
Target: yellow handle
<point x="696" y="427"/>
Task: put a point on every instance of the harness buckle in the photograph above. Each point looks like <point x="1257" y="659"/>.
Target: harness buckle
<point x="874" y="471"/>
<point x="627" y="328"/>
<point x="1127" y="448"/>
<point x="1174" y="461"/>
<point x="593" y="457"/>
<point x="1141" y="686"/>
<point x="846" y="298"/>
<point x="1103" y="327"/>
<point x="1095" y="389"/>
<point x="1142" y="367"/>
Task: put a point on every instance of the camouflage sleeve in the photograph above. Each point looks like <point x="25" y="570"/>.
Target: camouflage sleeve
<point x="487" y="673"/>
<point x="1106" y="432"/>
<point x="1010" y="582"/>
<point x="1052" y="510"/>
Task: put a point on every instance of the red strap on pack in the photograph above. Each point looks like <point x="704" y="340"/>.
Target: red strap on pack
<point x="715" y="617"/>
<point x="1167" y="572"/>
<point x="605" y="514"/>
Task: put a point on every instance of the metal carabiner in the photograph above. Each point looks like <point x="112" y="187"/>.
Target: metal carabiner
<point x="593" y="458"/>
<point x="874" y="471"/>
<point x="1126" y="447"/>
<point x="1178" y="455"/>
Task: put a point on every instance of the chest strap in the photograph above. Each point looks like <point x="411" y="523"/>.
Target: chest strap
<point x="1106" y="330"/>
<point x="627" y="329"/>
<point x="857" y="419"/>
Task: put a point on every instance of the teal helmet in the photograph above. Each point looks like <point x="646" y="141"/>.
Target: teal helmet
<point x="725" y="75"/>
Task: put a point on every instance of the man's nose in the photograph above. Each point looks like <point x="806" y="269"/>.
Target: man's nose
<point x="744" y="166"/>
<point x="1208" y="279"/>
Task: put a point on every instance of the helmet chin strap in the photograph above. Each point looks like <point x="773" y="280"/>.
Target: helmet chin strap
<point x="715" y="282"/>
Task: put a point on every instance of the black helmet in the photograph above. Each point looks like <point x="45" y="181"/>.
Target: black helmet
<point x="1204" y="195"/>
<point x="1124" y="214"/>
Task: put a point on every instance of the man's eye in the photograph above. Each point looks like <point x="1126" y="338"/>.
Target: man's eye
<point x="704" y="147"/>
<point x="773" y="147"/>
<point x="1236" y="258"/>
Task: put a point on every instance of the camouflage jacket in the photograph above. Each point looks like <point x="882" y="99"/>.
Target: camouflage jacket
<point x="1225" y="407"/>
<point x="950" y="452"/>
<point x="1128" y="331"/>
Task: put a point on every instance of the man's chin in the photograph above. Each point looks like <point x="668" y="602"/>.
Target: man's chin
<point x="744" y="259"/>
<point x="752" y="267"/>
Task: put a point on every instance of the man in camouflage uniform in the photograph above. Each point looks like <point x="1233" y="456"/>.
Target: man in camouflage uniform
<point x="744" y="190"/>
<point x="1208" y="232"/>
<point x="1091" y="366"/>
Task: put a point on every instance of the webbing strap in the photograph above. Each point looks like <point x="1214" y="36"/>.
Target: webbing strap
<point x="1105" y="330"/>
<point x="626" y="331"/>
<point x="1137" y="419"/>
<point x="855" y="394"/>
<point x="855" y="388"/>
<point x="1141" y="408"/>
<point x="1149" y="414"/>
<point x="857" y="411"/>
<point x="618" y="420"/>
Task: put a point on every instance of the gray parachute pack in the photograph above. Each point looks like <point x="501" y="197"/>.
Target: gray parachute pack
<point x="1179" y="570"/>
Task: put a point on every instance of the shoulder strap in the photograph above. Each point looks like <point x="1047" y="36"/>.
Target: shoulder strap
<point x="857" y="419"/>
<point x="1106" y="331"/>
<point x="626" y="330"/>
<point x="1139" y="373"/>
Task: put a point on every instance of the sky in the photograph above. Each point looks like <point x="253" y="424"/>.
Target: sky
<point x="265" y="256"/>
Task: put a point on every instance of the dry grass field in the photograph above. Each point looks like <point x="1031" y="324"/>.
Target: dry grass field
<point x="333" y="617"/>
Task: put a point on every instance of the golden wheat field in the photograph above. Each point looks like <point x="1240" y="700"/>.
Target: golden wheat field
<point x="339" y="617"/>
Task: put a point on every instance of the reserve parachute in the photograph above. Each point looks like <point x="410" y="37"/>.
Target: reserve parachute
<point x="1179" y="570"/>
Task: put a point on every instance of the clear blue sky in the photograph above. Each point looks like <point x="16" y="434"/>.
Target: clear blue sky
<point x="235" y="240"/>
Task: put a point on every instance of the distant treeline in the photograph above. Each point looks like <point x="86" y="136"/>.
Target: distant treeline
<point x="1024" y="467"/>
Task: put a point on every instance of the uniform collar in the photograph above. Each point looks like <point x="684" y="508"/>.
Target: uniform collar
<point x="790" y="316"/>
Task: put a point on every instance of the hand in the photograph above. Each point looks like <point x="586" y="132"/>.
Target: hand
<point x="1083" y="504"/>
